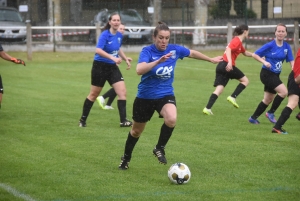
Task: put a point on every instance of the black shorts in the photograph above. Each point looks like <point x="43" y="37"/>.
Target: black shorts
<point x="270" y="80"/>
<point x="102" y="72"/>
<point x="143" y="109"/>
<point x="293" y="88"/>
<point x="223" y="76"/>
<point x="1" y="86"/>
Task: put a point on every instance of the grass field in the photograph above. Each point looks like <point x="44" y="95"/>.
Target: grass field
<point x="45" y="156"/>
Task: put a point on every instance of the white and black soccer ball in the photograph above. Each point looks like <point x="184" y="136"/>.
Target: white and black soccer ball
<point x="179" y="173"/>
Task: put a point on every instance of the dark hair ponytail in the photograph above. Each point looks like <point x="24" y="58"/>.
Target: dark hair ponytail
<point x="240" y="29"/>
<point x="107" y="26"/>
<point x="159" y="27"/>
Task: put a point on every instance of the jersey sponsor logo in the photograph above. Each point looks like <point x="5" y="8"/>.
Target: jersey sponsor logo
<point x="109" y="42"/>
<point x="114" y="53"/>
<point x="173" y="52"/>
<point x="273" y="53"/>
<point x="164" y="72"/>
<point x="278" y="66"/>
<point x="285" y="51"/>
<point x="119" y="40"/>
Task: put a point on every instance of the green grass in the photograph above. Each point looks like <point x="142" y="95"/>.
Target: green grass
<point x="44" y="155"/>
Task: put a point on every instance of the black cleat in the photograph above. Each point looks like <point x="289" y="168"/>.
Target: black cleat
<point x="298" y="116"/>
<point x="160" y="154"/>
<point x="82" y="123"/>
<point x="279" y="131"/>
<point x="124" y="165"/>
<point x="126" y="123"/>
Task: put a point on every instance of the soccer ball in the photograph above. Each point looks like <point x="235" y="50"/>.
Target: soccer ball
<point x="179" y="173"/>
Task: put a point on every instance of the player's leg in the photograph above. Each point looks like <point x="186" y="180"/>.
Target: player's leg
<point x="142" y="112"/>
<point x="237" y="74"/>
<point x="285" y="114"/>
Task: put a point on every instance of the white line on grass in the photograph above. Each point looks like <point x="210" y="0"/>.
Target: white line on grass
<point x="15" y="192"/>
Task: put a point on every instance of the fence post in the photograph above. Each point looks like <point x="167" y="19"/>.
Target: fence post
<point x="29" y="40"/>
<point x="98" y="31"/>
<point x="296" y="36"/>
<point x="229" y="32"/>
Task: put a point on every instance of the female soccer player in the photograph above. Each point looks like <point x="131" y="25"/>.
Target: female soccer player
<point x="156" y="64"/>
<point x="293" y="94"/>
<point x="110" y="94"/>
<point x="105" y="69"/>
<point x="272" y="55"/>
<point x="7" y="57"/>
<point x="226" y="69"/>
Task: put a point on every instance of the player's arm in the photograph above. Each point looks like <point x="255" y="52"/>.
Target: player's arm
<point x="144" y="67"/>
<point x="7" y="57"/>
<point x="198" y="55"/>
<point x="261" y="60"/>
<point x="108" y="56"/>
<point x="247" y="54"/>
<point x="123" y="56"/>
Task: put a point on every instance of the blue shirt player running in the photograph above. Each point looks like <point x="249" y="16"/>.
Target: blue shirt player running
<point x="272" y="55"/>
<point x="105" y="69"/>
<point x="156" y="64"/>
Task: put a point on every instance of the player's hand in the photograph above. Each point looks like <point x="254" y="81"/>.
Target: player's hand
<point x="229" y="67"/>
<point x="164" y="58"/>
<point x="128" y="63"/>
<point x="216" y="59"/>
<point x="267" y="64"/>
<point x="129" y="59"/>
<point x="18" y="61"/>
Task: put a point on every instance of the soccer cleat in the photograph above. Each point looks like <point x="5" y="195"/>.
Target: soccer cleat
<point x="160" y="154"/>
<point x="124" y="165"/>
<point x="108" y="107"/>
<point x="279" y="131"/>
<point x="271" y="117"/>
<point x="82" y="123"/>
<point x="298" y="116"/>
<point x="253" y="121"/>
<point x="101" y="101"/>
<point x="126" y="123"/>
<point x="232" y="101"/>
<point x="207" y="111"/>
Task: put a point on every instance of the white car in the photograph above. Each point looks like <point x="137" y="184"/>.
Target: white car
<point x="12" y="26"/>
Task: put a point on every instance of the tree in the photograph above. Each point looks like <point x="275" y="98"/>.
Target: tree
<point x="240" y="7"/>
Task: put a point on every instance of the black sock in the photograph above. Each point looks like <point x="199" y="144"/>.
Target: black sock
<point x="285" y="115"/>
<point x="87" y="105"/>
<point x="129" y="146"/>
<point x="108" y="93"/>
<point x="238" y="90"/>
<point x="212" y="99"/>
<point x="122" y="110"/>
<point x="276" y="103"/>
<point x="259" y="110"/>
<point x="111" y="98"/>
<point x="165" y="134"/>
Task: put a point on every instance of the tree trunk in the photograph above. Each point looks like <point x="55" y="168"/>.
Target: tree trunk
<point x="200" y="19"/>
<point x="54" y="19"/>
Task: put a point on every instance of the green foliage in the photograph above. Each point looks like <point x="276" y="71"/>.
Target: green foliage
<point x="240" y="7"/>
<point x="46" y="156"/>
<point x="221" y="10"/>
<point x="251" y="14"/>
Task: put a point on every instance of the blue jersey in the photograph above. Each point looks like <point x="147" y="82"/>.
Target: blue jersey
<point x="275" y="55"/>
<point x="109" y="43"/>
<point x="157" y="83"/>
